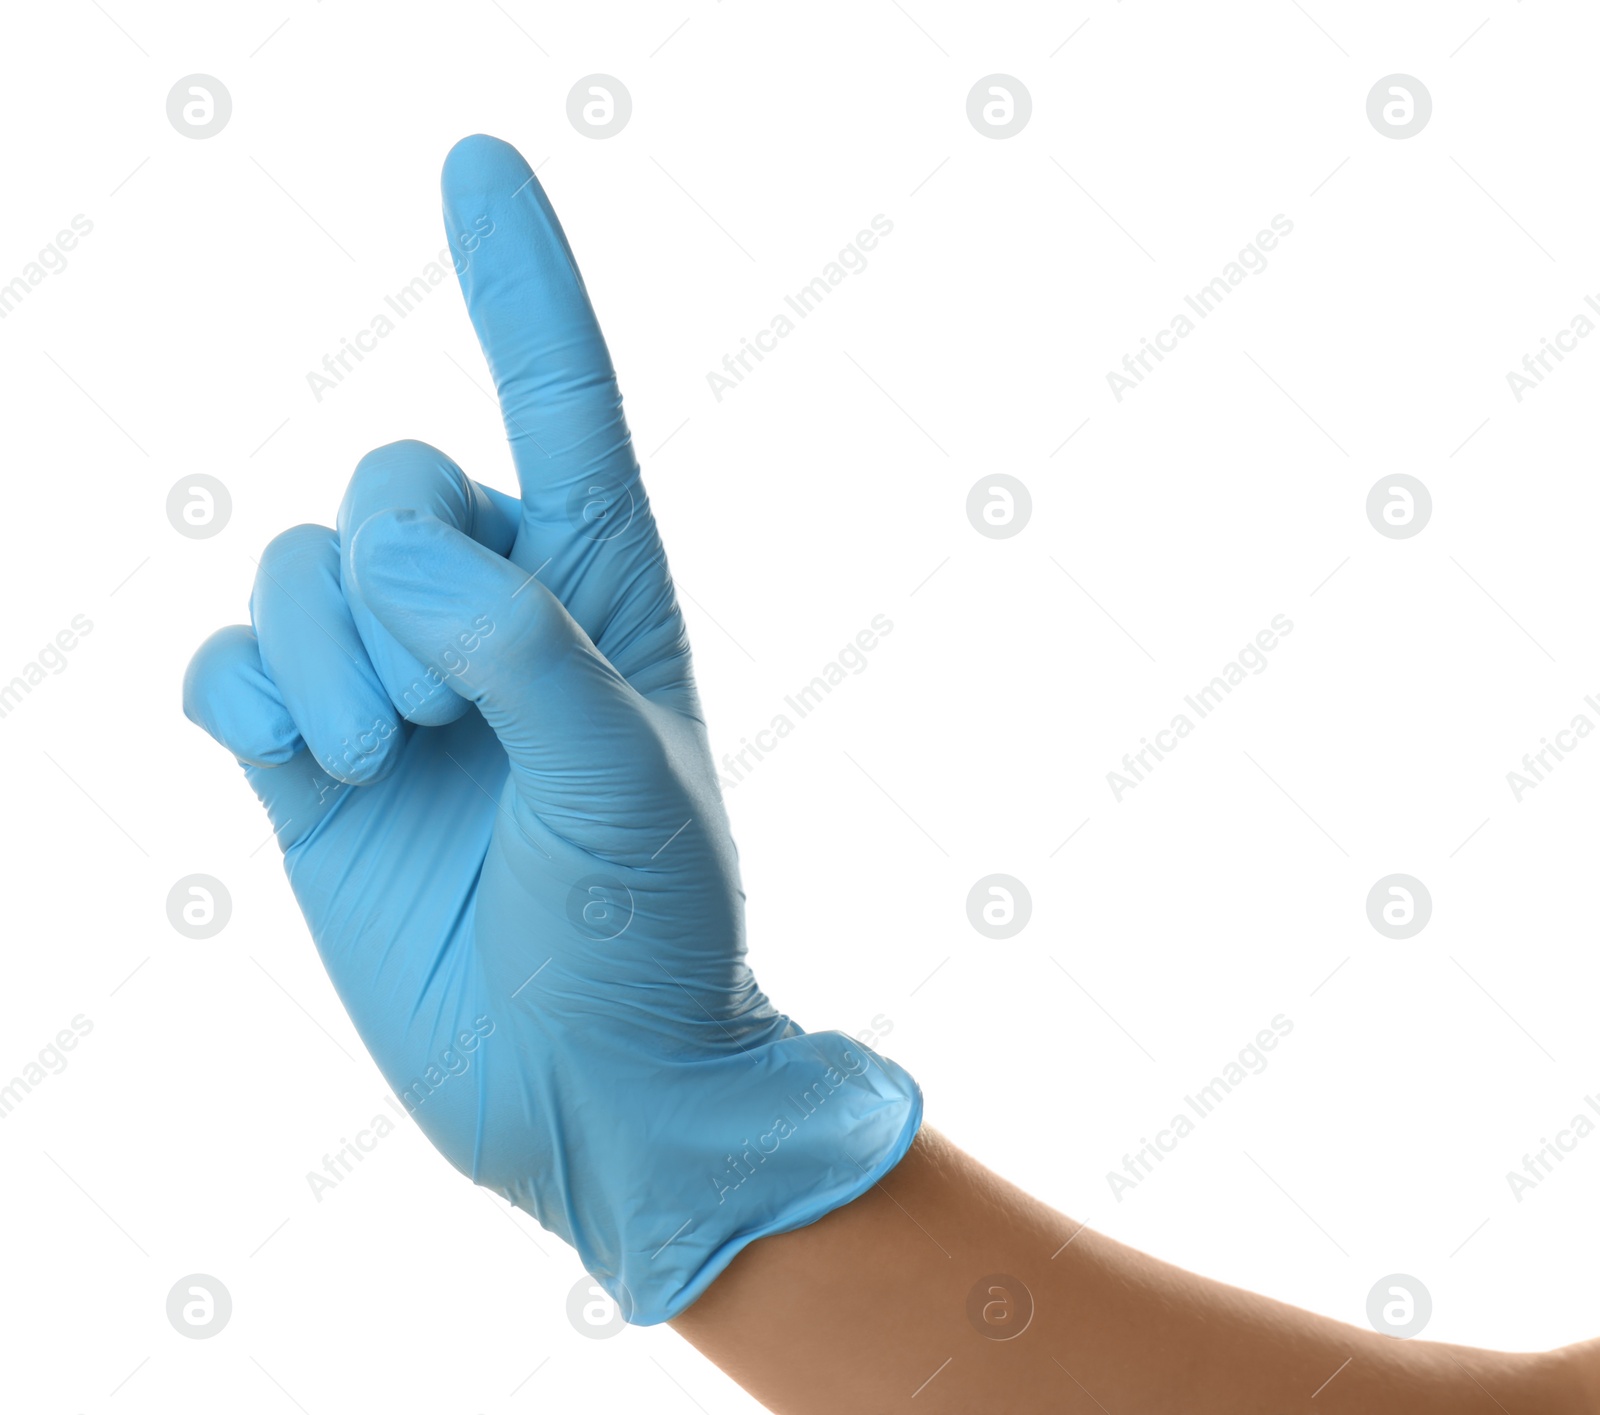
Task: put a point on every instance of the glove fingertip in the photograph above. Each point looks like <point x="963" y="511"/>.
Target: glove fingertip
<point x="227" y="693"/>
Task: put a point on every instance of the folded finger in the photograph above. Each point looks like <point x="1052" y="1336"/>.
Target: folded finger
<point x="311" y="651"/>
<point x="412" y="476"/>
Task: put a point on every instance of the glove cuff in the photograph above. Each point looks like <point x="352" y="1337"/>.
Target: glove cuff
<point x="781" y="1136"/>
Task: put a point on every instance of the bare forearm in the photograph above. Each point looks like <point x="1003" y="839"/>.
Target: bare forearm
<point x="918" y="1296"/>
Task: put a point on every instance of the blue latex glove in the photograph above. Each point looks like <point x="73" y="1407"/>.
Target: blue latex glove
<point x="473" y="723"/>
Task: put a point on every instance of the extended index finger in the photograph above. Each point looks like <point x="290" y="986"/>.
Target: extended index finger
<point x="557" y="387"/>
<point x="587" y="529"/>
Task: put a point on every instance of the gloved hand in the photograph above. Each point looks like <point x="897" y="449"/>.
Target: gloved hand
<point x="473" y="723"/>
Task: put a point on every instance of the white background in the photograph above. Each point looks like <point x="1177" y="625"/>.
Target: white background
<point x="827" y="489"/>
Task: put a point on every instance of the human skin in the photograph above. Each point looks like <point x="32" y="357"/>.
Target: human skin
<point x="867" y="1310"/>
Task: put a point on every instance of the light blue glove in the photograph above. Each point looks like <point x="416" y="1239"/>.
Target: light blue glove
<point x="473" y="723"/>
